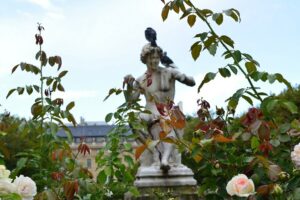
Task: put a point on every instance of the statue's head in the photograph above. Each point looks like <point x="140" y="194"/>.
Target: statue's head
<point x="151" y="54"/>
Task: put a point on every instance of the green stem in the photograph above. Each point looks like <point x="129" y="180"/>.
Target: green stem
<point x="224" y="45"/>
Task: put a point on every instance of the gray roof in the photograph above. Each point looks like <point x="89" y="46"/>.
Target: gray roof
<point x="87" y="131"/>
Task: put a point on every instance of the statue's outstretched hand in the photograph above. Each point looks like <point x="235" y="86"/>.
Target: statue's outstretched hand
<point x="128" y="80"/>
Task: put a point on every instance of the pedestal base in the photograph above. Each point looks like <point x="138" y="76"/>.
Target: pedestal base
<point x="153" y="184"/>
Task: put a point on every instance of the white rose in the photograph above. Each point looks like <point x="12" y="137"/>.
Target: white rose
<point x="4" y="173"/>
<point x="25" y="187"/>
<point x="295" y="155"/>
<point x="6" y="186"/>
<point x="240" y="186"/>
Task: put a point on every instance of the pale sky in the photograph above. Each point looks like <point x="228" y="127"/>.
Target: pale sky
<point x="100" y="42"/>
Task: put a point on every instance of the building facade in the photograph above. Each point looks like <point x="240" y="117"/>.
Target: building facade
<point x="94" y="135"/>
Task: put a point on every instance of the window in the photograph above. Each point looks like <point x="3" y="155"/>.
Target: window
<point x="77" y="140"/>
<point x="89" y="140"/>
<point x="89" y="163"/>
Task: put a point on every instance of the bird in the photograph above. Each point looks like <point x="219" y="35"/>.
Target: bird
<point x="150" y="35"/>
<point x="166" y="61"/>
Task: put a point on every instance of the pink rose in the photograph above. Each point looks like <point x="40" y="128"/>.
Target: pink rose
<point x="240" y="186"/>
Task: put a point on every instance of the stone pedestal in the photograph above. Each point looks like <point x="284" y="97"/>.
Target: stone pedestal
<point x="177" y="183"/>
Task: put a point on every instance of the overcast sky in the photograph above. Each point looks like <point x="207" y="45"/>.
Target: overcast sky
<point x="100" y="42"/>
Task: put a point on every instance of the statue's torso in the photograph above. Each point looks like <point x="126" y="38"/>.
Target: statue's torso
<point x="161" y="89"/>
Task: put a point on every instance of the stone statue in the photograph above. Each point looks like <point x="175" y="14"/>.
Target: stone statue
<point x="157" y="84"/>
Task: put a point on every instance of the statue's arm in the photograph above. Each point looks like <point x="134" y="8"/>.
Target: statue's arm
<point x="132" y="88"/>
<point x="181" y="77"/>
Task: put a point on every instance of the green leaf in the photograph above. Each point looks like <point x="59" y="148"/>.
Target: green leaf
<point x="195" y="50"/>
<point x="291" y="106"/>
<point x="14" y="68"/>
<point x="60" y="87"/>
<point x="29" y="89"/>
<point x="209" y="41"/>
<point x="284" y="138"/>
<point x="108" y="117"/>
<point x="10" y="92"/>
<point x="237" y="56"/>
<point x="208" y="77"/>
<point x="20" y="90"/>
<point x="102" y="177"/>
<point x="206" y="12"/>
<point x="62" y="74"/>
<point x="271" y="78"/>
<point x="51" y="61"/>
<point x="43" y="58"/>
<point x="191" y="20"/>
<point x="254" y="143"/>
<point x="283" y="128"/>
<point x="202" y="36"/>
<point x="213" y="49"/>
<point x="280" y="79"/>
<point x="271" y="104"/>
<point x="224" y="72"/>
<point x="227" y="40"/>
<point x="70" y="106"/>
<point x="11" y="196"/>
<point x="49" y="81"/>
<point x="108" y="170"/>
<point x="186" y="13"/>
<point x="296" y="193"/>
<point x="248" y="99"/>
<point x="232" y="103"/>
<point x="250" y="66"/>
<point x="165" y="12"/>
<point x="218" y="18"/>
<point x="234" y="14"/>
<point x="37" y="88"/>
<point x="233" y="69"/>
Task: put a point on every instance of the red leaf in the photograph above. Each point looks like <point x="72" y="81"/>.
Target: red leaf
<point x="84" y="148"/>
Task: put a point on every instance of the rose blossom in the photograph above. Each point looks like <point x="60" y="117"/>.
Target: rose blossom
<point x="4" y="173"/>
<point x="25" y="187"/>
<point x="295" y="155"/>
<point x="6" y="187"/>
<point x="240" y="185"/>
<point x="5" y="182"/>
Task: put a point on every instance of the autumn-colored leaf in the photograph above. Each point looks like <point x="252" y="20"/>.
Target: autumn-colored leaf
<point x="197" y="158"/>
<point x="84" y="148"/>
<point x="165" y="125"/>
<point x="70" y="188"/>
<point x="177" y="118"/>
<point x="169" y="140"/>
<point x="139" y="150"/>
<point x="221" y="138"/>
<point x="264" y="190"/>
<point x="162" y="135"/>
<point x="57" y="176"/>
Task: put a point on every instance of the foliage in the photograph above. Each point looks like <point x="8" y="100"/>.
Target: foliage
<point x="222" y="147"/>
<point x="48" y="160"/>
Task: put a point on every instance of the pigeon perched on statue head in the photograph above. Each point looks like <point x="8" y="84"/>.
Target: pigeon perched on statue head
<point x="166" y="61"/>
<point x="150" y="35"/>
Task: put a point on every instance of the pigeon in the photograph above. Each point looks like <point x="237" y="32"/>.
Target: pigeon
<point x="166" y="61"/>
<point x="150" y="35"/>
